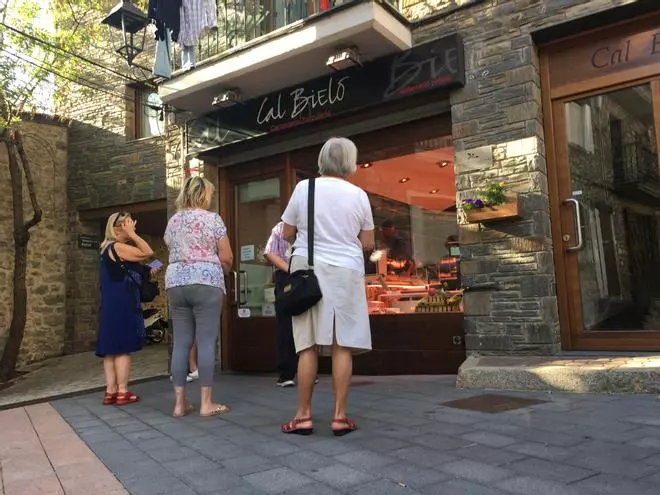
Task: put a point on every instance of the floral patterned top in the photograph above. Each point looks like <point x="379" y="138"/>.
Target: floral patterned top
<point x="192" y="237"/>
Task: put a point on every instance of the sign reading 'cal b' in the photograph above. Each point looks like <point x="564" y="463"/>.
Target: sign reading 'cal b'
<point x="433" y="65"/>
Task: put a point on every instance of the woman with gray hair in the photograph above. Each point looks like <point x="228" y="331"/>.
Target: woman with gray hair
<point x="339" y="324"/>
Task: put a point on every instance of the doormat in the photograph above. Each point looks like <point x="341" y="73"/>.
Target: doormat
<point x="492" y="403"/>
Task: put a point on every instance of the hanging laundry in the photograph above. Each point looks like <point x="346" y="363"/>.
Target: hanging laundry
<point x="188" y="58"/>
<point x="196" y="16"/>
<point x="167" y="15"/>
<point x="163" y="59"/>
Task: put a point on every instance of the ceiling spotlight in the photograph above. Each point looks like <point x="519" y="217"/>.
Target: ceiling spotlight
<point x="444" y="163"/>
<point x="404" y="180"/>
<point x="433" y="191"/>
<point x="367" y="165"/>
<point x="227" y="98"/>
<point x="344" y="59"/>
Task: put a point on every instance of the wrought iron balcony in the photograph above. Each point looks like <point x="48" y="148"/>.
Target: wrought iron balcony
<point x="636" y="173"/>
<point x="241" y="21"/>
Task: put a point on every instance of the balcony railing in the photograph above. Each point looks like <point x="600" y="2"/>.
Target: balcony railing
<point x="636" y="173"/>
<point x="241" y="21"/>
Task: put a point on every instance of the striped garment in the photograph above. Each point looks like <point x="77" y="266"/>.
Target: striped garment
<point x="196" y="16"/>
<point x="277" y="245"/>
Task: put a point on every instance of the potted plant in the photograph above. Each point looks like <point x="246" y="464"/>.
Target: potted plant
<point x="490" y="203"/>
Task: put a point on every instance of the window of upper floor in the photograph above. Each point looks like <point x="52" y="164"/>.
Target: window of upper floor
<point x="146" y="117"/>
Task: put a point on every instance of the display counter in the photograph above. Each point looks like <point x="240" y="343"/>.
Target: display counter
<point x="394" y="294"/>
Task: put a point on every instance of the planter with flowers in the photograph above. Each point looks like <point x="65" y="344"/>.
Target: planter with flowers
<point x="491" y="203"/>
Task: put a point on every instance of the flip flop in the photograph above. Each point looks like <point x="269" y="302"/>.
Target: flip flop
<point x="221" y="409"/>
<point x="187" y="410"/>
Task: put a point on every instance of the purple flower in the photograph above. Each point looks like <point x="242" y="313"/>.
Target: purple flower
<point x="479" y="204"/>
<point x="468" y="200"/>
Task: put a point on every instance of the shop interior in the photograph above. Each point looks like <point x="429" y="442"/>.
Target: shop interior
<point x="415" y="268"/>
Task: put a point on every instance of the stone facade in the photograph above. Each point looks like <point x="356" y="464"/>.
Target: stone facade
<point x="498" y="133"/>
<point x="47" y="148"/>
<point x="109" y="170"/>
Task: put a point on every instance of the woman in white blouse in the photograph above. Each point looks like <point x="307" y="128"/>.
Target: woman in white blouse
<point x="339" y="324"/>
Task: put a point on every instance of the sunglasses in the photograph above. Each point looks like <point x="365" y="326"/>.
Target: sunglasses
<point x="123" y="215"/>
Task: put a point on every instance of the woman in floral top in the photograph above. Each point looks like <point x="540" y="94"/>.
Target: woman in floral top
<point x="200" y="254"/>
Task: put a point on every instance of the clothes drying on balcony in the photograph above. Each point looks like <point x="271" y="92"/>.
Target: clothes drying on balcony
<point x="163" y="59"/>
<point x="167" y="15"/>
<point x="196" y="16"/>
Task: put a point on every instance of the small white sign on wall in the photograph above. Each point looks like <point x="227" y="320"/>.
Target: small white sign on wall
<point x="247" y="252"/>
<point x="268" y="309"/>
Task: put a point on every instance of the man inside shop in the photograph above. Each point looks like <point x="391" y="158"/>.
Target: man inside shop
<point x="399" y="254"/>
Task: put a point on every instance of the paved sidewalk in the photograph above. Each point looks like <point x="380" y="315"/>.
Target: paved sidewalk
<point x="40" y="454"/>
<point x="408" y="442"/>
<point x="77" y="373"/>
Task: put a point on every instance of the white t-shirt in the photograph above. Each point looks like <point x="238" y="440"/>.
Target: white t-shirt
<point x="341" y="211"/>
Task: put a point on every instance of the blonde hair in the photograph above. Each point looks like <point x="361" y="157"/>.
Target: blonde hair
<point x="113" y="222"/>
<point x="197" y="192"/>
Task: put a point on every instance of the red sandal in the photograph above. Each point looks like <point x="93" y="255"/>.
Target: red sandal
<point x="109" y="399"/>
<point x="124" y="398"/>
<point x="292" y="427"/>
<point x="349" y="426"/>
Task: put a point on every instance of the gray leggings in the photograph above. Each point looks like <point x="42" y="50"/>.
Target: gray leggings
<point x="195" y="312"/>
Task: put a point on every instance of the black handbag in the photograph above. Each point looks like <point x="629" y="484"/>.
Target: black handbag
<point x="302" y="292"/>
<point x="148" y="288"/>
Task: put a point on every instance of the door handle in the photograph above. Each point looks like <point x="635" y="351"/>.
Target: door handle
<point x="245" y="287"/>
<point x="234" y="275"/>
<point x="578" y="225"/>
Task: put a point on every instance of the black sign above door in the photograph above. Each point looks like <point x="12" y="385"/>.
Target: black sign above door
<point x="433" y="65"/>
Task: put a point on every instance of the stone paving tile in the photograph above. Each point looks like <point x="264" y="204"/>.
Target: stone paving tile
<point x="461" y="487"/>
<point x="340" y="476"/>
<point x="528" y="486"/>
<point x="279" y="480"/>
<point x="383" y="487"/>
<point x="553" y="471"/>
<point x="607" y="484"/>
<point x="432" y="450"/>
<point x="475" y="471"/>
<point x="488" y="455"/>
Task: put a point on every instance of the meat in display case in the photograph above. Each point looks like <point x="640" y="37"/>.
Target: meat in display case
<point x="393" y="294"/>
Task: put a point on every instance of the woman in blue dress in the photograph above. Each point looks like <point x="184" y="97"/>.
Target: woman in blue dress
<point x="121" y="328"/>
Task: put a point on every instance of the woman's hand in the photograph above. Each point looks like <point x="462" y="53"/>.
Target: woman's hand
<point x="128" y="226"/>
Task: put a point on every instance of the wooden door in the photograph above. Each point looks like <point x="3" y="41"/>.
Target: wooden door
<point x="256" y="200"/>
<point x="607" y="216"/>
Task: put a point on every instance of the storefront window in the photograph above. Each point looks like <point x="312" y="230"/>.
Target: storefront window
<point x="415" y="266"/>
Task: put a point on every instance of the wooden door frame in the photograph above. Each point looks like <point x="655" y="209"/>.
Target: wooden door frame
<point x="228" y="179"/>
<point x="559" y="186"/>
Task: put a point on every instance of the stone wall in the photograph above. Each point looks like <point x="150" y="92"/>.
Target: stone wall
<point x="108" y="168"/>
<point x="498" y="133"/>
<point x="46" y="147"/>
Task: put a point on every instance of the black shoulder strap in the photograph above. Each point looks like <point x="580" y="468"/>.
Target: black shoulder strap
<point x="310" y="223"/>
<point x="121" y="265"/>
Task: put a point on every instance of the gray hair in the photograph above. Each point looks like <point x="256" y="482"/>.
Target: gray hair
<point x="338" y="158"/>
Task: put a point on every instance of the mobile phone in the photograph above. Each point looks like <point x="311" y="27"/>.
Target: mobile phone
<point x="155" y="264"/>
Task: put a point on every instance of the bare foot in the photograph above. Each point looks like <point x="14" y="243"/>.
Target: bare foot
<point x="213" y="410"/>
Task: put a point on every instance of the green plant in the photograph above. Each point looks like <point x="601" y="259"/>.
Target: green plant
<point x="493" y="193"/>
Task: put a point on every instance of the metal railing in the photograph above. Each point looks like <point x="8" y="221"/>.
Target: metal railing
<point x="241" y="21"/>
<point x="635" y="164"/>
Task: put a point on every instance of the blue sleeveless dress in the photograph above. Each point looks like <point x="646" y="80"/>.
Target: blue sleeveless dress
<point x="121" y="326"/>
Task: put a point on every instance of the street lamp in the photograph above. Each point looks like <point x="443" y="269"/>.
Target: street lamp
<point x="131" y="22"/>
